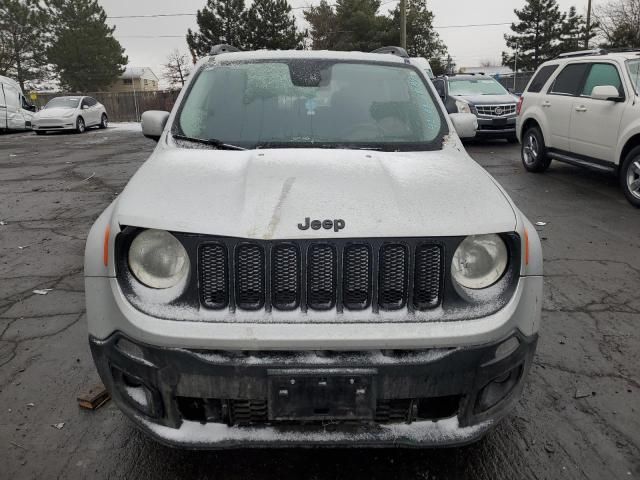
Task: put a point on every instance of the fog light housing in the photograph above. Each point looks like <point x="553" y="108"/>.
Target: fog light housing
<point x="137" y="394"/>
<point x="498" y="389"/>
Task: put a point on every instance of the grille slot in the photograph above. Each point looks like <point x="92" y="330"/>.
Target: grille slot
<point x="250" y="271"/>
<point x="285" y="277"/>
<point x="356" y="292"/>
<point x="427" y="275"/>
<point x="321" y="277"/>
<point x="214" y="276"/>
<point x="393" y="280"/>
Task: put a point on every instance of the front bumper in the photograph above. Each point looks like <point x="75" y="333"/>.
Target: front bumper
<point x="220" y="399"/>
<point x="54" y="124"/>
<point x="496" y="127"/>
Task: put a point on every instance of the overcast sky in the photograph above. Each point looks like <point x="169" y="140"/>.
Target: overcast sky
<point x="148" y="40"/>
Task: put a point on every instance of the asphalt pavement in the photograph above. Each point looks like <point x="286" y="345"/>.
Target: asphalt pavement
<point x="579" y="417"/>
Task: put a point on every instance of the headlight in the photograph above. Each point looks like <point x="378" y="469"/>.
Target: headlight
<point x="463" y="107"/>
<point x="158" y="259"/>
<point x="479" y="261"/>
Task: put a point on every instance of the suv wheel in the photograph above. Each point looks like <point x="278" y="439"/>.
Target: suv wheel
<point x="630" y="177"/>
<point x="534" y="151"/>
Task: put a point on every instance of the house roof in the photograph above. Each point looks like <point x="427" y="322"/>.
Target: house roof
<point x="138" y="72"/>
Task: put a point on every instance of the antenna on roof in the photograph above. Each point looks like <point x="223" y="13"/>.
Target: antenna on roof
<point x="223" y="48"/>
<point x="398" y="51"/>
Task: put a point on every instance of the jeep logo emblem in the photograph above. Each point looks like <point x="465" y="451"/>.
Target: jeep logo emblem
<point x="337" y="225"/>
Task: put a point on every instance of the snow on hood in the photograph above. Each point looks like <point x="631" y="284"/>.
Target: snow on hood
<point x="55" y="112"/>
<point x="265" y="194"/>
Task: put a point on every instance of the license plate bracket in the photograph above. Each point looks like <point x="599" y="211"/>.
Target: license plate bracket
<point x="321" y="394"/>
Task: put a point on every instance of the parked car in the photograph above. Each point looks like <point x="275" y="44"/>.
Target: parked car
<point x="16" y="111"/>
<point x="70" y="113"/>
<point x="486" y="98"/>
<point x="310" y="245"/>
<point x="582" y="108"/>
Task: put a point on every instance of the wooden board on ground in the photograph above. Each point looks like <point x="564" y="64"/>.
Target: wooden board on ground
<point x="94" y="398"/>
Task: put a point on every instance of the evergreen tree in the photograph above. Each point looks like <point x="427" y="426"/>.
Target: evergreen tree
<point x="84" y="53"/>
<point x="23" y="40"/>
<point x="536" y="35"/>
<point x="573" y="35"/>
<point x="220" y="21"/>
<point x="269" y="24"/>
<point x="422" y="39"/>
<point x="322" y="20"/>
<point x="359" y="27"/>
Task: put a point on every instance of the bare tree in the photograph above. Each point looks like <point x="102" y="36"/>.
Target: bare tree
<point x="619" y="23"/>
<point x="176" y="70"/>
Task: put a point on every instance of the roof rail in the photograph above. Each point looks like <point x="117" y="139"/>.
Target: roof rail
<point x="223" y="48"/>
<point x="583" y="53"/>
<point x="623" y="50"/>
<point x="399" y="51"/>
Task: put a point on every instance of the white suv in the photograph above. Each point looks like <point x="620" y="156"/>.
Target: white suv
<point x="583" y="108"/>
<point x="310" y="257"/>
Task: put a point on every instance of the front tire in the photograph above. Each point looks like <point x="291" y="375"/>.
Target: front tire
<point x="104" y="121"/>
<point x="534" y="151"/>
<point x="630" y="177"/>
<point x="80" y="125"/>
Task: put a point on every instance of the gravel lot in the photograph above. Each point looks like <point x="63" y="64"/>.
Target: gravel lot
<point x="579" y="416"/>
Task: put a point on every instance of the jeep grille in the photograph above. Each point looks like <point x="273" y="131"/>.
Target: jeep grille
<point x="320" y="275"/>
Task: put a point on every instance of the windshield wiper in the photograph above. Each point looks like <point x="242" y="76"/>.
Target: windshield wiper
<point x="214" y="142"/>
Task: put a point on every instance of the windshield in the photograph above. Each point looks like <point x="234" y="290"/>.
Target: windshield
<point x="306" y="102"/>
<point x="475" y="86"/>
<point x="634" y="72"/>
<point x="63" y="102"/>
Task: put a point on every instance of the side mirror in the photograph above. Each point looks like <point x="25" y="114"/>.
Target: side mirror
<point x="153" y="123"/>
<point x="466" y="124"/>
<point x="606" y="92"/>
<point x="85" y="107"/>
<point x="441" y="88"/>
<point x="33" y="108"/>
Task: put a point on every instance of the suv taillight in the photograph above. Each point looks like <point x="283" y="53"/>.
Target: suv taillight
<point x="519" y="106"/>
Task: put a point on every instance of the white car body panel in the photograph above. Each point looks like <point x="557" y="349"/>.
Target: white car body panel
<point x="265" y="194"/>
<point x="12" y="115"/>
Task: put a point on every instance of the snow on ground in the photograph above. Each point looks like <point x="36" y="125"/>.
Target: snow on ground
<point x="128" y="126"/>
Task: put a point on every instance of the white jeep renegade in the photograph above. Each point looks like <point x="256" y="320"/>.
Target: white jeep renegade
<point x="583" y="108"/>
<point x="310" y="257"/>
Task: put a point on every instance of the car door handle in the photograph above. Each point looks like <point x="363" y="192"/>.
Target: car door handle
<point x="581" y="108"/>
<point x="546" y="104"/>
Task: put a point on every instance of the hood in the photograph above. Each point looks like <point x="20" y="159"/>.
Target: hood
<point x="488" y="99"/>
<point x="56" y="112"/>
<point x="265" y="194"/>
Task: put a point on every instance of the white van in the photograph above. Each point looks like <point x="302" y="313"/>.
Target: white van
<point x="16" y="111"/>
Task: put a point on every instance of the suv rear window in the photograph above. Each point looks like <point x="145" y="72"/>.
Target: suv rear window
<point x="569" y="81"/>
<point x="541" y="78"/>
